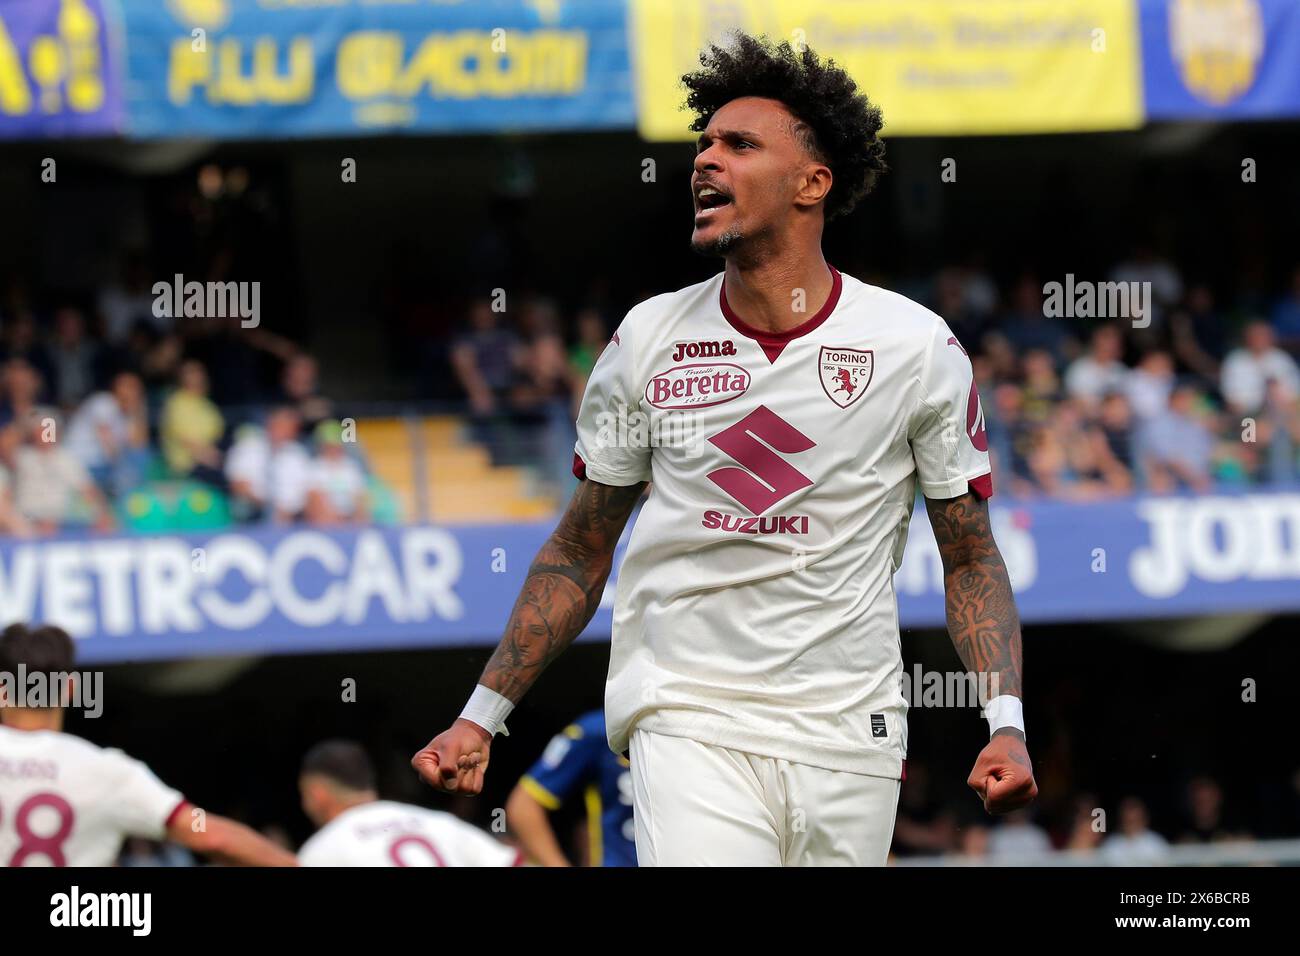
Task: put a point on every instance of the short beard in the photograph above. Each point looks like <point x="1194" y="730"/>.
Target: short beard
<point x="725" y="243"/>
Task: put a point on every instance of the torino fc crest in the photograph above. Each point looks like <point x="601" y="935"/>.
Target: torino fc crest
<point x="845" y="373"/>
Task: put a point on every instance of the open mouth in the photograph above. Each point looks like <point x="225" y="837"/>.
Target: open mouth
<point x="708" y="199"/>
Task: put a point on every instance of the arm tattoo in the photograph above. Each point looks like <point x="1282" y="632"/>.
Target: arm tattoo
<point x="981" y="610"/>
<point x="563" y="587"/>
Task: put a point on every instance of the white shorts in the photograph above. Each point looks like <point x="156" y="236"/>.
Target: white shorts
<point x="699" y="805"/>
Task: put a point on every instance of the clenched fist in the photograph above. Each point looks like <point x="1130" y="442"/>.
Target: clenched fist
<point x="455" y="760"/>
<point x="1003" y="775"/>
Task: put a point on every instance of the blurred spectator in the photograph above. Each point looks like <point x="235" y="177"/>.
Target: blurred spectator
<point x="960" y="306"/>
<point x="1111" y="442"/>
<point x="268" y="469"/>
<point x="1084" y="834"/>
<point x="1150" y="384"/>
<point x="1003" y="361"/>
<point x="109" y="434"/>
<point x="974" y="842"/>
<point x="1286" y="317"/>
<point x="1199" y="334"/>
<point x="20" y="390"/>
<point x="979" y="291"/>
<point x="300" y="387"/>
<point x="1026" y="327"/>
<point x="1136" y="844"/>
<point x="1145" y="265"/>
<point x="1009" y="436"/>
<point x="1018" y="837"/>
<point x="128" y="303"/>
<point x="1248" y="370"/>
<point x="545" y="393"/>
<point x="1100" y="370"/>
<point x="191" y="427"/>
<point x="593" y="336"/>
<point x="1279" y="436"/>
<point x="1088" y="472"/>
<point x="1205" y="815"/>
<point x="74" y="358"/>
<point x="11" y="522"/>
<point x="50" y="485"/>
<point x="1048" y="467"/>
<point x="21" y="342"/>
<point x="485" y="359"/>
<point x="1042" y="388"/>
<point x="241" y="362"/>
<point x="544" y="366"/>
<point x="155" y="358"/>
<point x="1175" y="447"/>
<point x="336" y="483"/>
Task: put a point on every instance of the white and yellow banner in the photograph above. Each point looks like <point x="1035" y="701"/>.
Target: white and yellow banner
<point x="935" y="67"/>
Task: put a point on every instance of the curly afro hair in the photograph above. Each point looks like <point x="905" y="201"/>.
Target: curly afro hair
<point x="839" y="127"/>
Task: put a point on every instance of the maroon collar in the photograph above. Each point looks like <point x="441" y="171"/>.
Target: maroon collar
<point x="773" y="342"/>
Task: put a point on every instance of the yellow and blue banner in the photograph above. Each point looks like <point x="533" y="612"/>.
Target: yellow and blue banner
<point x="935" y="67"/>
<point x="283" y="68"/>
<point x="1221" y="59"/>
<point x="270" y="69"/>
<point x="59" y="72"/>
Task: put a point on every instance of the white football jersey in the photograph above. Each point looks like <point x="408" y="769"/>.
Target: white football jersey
<point x="755" y="607"/>
<point x="67" y="802"/>
<point x="384" y="833"/>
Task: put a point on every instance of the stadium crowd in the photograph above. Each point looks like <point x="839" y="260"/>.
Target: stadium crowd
<point x="1128" y="832"/>
<point x="90" y="410"/>
<point x="1193" y="396"/>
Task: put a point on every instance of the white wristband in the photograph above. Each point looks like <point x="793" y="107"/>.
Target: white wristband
<point x="1004" y="711"/>
<point x="488" y="709"/>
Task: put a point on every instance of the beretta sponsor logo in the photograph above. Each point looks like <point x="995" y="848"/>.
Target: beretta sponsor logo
<point x="697" y="386"/>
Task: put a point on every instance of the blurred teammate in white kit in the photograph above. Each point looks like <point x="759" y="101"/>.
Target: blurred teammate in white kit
<point x="67" y="802"/>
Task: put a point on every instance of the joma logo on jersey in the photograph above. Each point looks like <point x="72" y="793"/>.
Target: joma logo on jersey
<point x="685" y="350"/>
<point x="776" y="524"/>
<point x="766" y="477"/>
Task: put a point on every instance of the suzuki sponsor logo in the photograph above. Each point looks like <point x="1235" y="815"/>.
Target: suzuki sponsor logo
<point x="740" y="524"/>
<point x="765" y="478"/>
<point x="697" y="386"/>
<point x="685" y="350"/>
